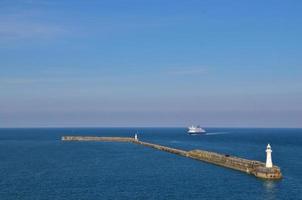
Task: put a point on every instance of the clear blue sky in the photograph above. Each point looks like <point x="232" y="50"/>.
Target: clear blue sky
<point x="151" y="63"/>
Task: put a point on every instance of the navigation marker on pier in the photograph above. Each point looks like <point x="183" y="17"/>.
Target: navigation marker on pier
<point x="269" y="163"/>
<point x="135" y="137"/>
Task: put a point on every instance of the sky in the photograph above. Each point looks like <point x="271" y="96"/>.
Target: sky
<point x="121" y="63"/>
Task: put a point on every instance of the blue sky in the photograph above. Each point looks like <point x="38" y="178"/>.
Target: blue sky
<point x="150" y="63"/>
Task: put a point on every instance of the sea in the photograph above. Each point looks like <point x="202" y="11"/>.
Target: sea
<point x="36" y="165"/>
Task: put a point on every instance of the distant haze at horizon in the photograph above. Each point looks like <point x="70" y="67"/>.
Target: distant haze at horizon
<point x="157" y="119"/>
<point x="152" y="63"/>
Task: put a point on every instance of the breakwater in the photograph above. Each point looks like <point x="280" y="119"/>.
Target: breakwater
<point x="252" y="167"/>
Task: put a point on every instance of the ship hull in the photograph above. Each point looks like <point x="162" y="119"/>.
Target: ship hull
<point x="196" y="133"/>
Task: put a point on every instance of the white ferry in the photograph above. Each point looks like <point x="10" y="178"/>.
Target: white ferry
<point x="194" y="130"/>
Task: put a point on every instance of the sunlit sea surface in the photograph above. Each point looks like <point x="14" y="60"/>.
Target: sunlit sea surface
<point x="36" y="165"/>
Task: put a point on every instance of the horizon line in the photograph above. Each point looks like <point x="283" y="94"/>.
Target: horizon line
<point x="244" y="127"/>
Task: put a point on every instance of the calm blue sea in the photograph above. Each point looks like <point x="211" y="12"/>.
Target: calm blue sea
<point x="36" y="165"/>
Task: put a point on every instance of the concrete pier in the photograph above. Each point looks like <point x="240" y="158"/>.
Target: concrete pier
<point x="252" y="167"/>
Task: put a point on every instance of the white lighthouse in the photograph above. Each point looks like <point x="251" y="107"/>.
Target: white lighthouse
<point x="135" y="137"/>
<point x="269" y="151"/>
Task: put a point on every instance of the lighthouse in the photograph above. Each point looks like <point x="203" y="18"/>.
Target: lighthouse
<point x="269" y="162"/>
<point x="135" y="137"/>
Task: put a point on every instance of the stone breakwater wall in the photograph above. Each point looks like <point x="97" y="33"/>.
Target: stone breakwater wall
<point x="163" y="148"/>
<point x="94" y="138"/>
<point x="252" y="167"/>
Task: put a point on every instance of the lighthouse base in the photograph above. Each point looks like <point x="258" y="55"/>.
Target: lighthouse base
<point x="267" y="173"/>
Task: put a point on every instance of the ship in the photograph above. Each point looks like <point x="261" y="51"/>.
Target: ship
<point x="195" y="130"/>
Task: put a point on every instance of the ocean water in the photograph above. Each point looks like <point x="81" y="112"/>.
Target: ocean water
<point x="36" y="165"/>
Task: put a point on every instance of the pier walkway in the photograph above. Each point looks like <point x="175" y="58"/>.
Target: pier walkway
<point x="252" y="167"/>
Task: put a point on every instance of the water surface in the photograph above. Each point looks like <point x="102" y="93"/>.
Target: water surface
<point x="36" y="165"/>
